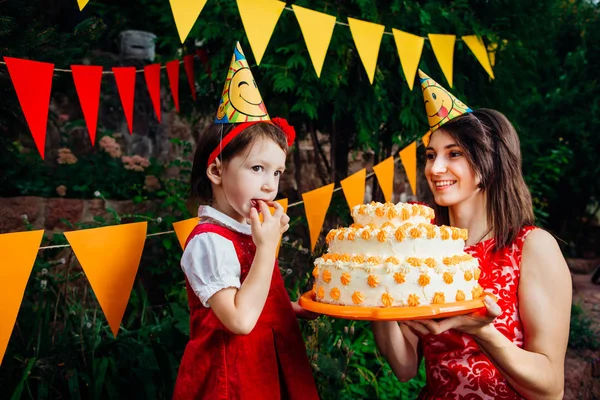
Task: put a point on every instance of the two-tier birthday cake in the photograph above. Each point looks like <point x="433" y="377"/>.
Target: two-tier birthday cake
<point x="392" y="256"/>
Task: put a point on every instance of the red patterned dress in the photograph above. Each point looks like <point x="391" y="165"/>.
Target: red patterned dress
<point x="269" y="363"/>
<point x="455" y="366"/>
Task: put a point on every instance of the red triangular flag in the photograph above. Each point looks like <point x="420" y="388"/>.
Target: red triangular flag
<point x="32" y="81"/>
<point x="88" y="79"/>
<point x="152" y="75"/>
<point x="173" y="74"/>
<point x="125" y="77"/>
<point x="188" y="63"/>
<point x="203" y="57"/>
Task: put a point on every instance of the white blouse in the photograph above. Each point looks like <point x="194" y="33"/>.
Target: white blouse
<point x="209" y="261"/>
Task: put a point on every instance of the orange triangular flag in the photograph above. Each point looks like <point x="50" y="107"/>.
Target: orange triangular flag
<point x="316" y="203"/>
<point x="18" y="255"/>
<point x="425" y="138"/>
<point x="185" y="13"/>
<point x="475" y="43"/>
<point x="367" y="38"/>
<point x="408" y="156"/>
<point x="284" y="204"/>
<point x="443" y="48"/>
<point x="88" y="79"/>
<point x="384" y="171"/>
<point x="125" y="78"/>
<point x="32" y="81"/>
<point x="259" y="18"/>
<point x="354" y="188"/>
<point x="152" y="76"/>
<point x="110" y="257"/>
<point x="184" y="228"/>
<point x="317" y="29"/>
<point x="409" y="48"/>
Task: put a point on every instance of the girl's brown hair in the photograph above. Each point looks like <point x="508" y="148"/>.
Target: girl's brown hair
<point x="492" y="147"/>
<point x="209" y="140"/>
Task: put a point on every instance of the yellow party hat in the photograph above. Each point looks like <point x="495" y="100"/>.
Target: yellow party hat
<point x="241" y="101"/>
<point x="441" y="106"/>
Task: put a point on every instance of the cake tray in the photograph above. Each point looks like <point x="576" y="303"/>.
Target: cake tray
<point x="434" y="311"/>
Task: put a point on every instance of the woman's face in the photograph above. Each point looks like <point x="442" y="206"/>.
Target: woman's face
<point x="449" y="175"/>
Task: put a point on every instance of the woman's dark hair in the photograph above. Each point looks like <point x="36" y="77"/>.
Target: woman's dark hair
<point x="492" y="148"/>
<point x="209" y="140"/>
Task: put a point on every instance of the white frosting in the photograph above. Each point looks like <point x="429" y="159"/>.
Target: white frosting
<point x="398" y="291"/>
<point x="404" y="255"/>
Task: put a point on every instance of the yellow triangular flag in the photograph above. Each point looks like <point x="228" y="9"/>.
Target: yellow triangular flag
<point x="18" y="256"/>
<point x="316" y="203"/>
<point x="409" y="48"/>
<point x="185" y="13"/>
<point x="408" y="156"/>
<point x="184" y="228"/>
<point x="384" y="171"/>
<point x="477" y="47"/>
<point x="443" y="48"/>
<point x="367" y="37"/>
<point x="259" y="18"/>
<point x="82" y="3"/>
<point x="110" y="257"/>
<point x="317" y="29"/>
<point x="354" y="188"/>
<point x="425" y="138"/>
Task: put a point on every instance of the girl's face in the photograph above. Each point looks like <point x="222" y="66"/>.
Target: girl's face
<point x="449" y="174"/>
<point x="250" y="176"/>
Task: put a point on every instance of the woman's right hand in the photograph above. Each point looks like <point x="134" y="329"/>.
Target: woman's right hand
<point x="268" y="232"/>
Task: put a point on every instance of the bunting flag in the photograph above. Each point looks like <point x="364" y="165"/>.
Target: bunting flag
<point x="185" y="14"/>
<point x="18" y="256"/>
<point x="173" y="75"/>
<point x="384" y="171"/>
<point x="184" y="228"/>
<point x="125" y="77"/>
<point x="110" y="257"/>
<point x="475" y="44"/>
<point x="32" y="81"/>
<point x="354" y="188"/>
<point x="152" y="76"/>
<point x="317" y="29"/>
<point x="409" y="48"/>
<point x="443" y="48"/>
<point x="82" y="4"/>
<point x="408" y="156"/>
<point x="188" y="63"/>
<point x="259" y="18"/>
<point x="88" y="79"/>
<point x="316" y="203"/>
<point x="367" y="38"/>
<point x="425" y="138"/>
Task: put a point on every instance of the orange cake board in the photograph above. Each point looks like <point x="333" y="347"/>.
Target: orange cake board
<point x="433" y="311"/>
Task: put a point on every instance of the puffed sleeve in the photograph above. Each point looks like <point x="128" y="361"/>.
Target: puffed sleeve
<point x="210" y="264"/>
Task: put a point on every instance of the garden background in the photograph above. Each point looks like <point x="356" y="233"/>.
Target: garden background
<point x="545" y="63"/>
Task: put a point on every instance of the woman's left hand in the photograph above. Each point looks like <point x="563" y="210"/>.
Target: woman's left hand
<point x="303" y="313"/>
<point x="471" y="323"/>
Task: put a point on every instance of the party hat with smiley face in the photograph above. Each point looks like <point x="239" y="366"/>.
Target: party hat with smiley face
<point x="441" y="106"/>
<point x="241" y="100"/>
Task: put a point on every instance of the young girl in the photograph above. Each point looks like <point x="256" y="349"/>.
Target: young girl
<point x="245" y="342"/>
<point x="517" y="349"/>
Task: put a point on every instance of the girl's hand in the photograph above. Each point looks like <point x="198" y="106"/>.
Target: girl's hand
<point x="303" y="313"/>
<point x="473" y="324"/>
<point x="268" y="232"/>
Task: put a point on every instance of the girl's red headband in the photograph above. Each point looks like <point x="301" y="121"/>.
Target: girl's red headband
<point x="281" y="123"/>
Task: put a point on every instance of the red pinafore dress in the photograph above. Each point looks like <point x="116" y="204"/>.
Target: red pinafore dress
<point x="270" y="363"/>
<point x="455" y="366"/>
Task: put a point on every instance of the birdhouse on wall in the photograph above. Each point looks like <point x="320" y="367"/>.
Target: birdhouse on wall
<point x="138" y="45"/>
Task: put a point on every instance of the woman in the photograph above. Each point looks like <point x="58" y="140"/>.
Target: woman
<point x="516" y="349"/>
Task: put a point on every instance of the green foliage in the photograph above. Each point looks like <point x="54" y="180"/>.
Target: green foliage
<point x="581" y="334"/>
